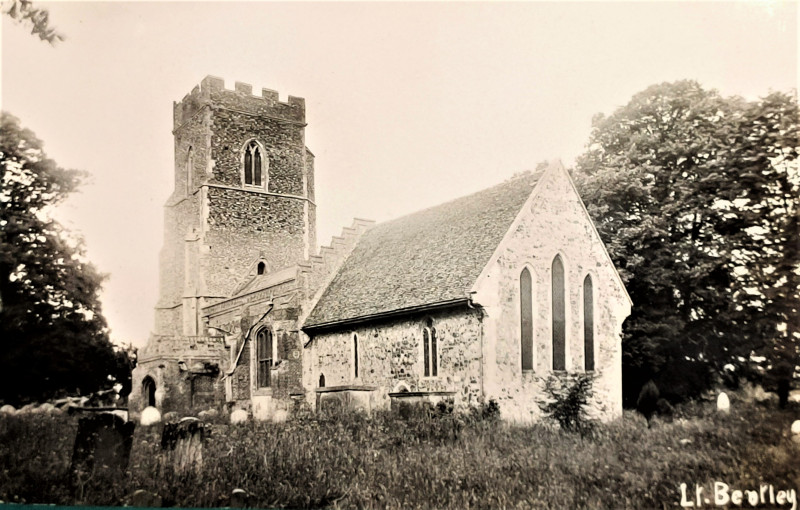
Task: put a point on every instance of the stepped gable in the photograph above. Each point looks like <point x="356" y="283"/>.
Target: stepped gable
<point x="429" y="257"/>
<point x="317" y="267"/>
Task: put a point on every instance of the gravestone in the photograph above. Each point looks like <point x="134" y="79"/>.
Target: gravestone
<point x="102" y="445"/>
<point x="184" y="442"/>
<point x="238" y="416"/>
<point x="143" y="498"/>
<point x="240" y="498"/>
<point x="723" y="403"/>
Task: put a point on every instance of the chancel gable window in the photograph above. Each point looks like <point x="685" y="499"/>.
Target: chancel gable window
<point x="588" y="323"/>
<point x="261" y="268"/>
<point x="430" y="350"/>
<point x="526" y="318"/>
<point x="254" y="171"/>
<point x="264" y="356"/>
<point x="559" y="315"/>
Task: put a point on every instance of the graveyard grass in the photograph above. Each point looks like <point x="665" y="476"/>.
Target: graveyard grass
<point x="417" y="461"/>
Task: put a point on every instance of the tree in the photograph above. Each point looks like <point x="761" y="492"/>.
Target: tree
<point x="696" y="197"/>
<point x="53" y="337"/>
<point x="38" y="20"/>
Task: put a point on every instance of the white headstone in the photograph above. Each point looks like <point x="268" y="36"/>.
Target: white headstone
<point x="280" y="416"/>
<point x="47" y="407"/>
<point x="150" y="416"/>
<point x="795" y="427"/>
<point x="238" y="416"/>
<point x="723" y="402"/>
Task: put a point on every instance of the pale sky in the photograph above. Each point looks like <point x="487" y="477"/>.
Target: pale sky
<point x="408" y="104"/>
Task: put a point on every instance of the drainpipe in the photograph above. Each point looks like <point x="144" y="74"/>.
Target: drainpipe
<point x="471" y="306"/>
<point x="244" y="342"/>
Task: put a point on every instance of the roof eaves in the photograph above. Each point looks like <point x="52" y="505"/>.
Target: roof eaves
<point x="351" y="321"/>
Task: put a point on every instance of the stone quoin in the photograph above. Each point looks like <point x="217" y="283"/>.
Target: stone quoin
<point x="483" y="297"/>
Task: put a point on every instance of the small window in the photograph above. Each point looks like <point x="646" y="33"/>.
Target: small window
<point x="430" y="351"/>
<point x="588" y="323"/>
<point x="264" y="355"/>
<point x="190" y="172"/>
<point x="321" y="380"/>
<point x="261" y="267"/>
<point x="149" y="391"/>
<point x="559" y="315"/>
<point x="526" y="319"/>
<point x="355" y="355"/>
<point x="253" y="165"/>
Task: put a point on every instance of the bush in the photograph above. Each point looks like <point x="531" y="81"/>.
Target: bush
<point x="567" y="405"/>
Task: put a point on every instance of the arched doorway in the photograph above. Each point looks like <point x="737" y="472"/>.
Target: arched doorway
<point x="149" y="391"/>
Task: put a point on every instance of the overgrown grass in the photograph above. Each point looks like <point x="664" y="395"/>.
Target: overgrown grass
<point x="421" y="461"/>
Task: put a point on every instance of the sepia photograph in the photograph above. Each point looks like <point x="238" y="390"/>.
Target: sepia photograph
<point x="392" y="255"/>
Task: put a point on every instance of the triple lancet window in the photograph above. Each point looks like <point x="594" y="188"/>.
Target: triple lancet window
<point x="558" y="304"/>
<point x="254" y="171"/>
<point x="264" y="356"/>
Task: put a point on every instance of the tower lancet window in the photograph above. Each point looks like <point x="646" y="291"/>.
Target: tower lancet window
<point x="189" y="171"/>
<point x="254" y="174"/>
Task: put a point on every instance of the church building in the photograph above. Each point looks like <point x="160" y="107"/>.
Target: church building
<point x="482" y="298"/>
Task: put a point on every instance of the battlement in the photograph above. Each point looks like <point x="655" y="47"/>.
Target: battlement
<point x="212" y="92"/>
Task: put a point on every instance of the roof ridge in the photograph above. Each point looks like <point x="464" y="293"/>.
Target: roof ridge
<point x="533" y="175"/>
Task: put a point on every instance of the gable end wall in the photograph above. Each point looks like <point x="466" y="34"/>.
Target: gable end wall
<point x="553" y="222"/>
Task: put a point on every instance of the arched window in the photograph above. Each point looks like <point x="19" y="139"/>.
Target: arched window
<point x="430" y="350"/>
<point x="588" y="323"/>
<point x="321" y="380"/>
<point x="355" y="355"/>
<point x="264" y="356"/>
<point x="190" y="171"/>
<point x="149" y="391"/>
<point x="526" y="319"/>
<point x="559" y="312"/>
<point x="261" y="267"/>
<point x="253" y="165"/>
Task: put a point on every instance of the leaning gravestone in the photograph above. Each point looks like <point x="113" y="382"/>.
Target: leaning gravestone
<point x="184" y="441"/>
<point x="102" y="446"/>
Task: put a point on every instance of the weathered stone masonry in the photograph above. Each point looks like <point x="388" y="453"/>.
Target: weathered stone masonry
<point x="553" y="223"/>
<point x="239" y="259"/>
<point x="217" y="226"/>
<point x="391" y="357"/>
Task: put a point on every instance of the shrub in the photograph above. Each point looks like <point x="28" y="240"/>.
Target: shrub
<point x="567" y="405"/>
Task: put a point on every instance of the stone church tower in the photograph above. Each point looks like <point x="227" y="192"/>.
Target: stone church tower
<point x="244" y="192"/>
<point x="242" y="204"/>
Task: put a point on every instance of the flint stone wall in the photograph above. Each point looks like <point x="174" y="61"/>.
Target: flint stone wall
<point x="391" y="353"/>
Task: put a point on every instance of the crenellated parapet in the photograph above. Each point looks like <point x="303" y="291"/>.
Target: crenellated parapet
<point x="212" y="92"/>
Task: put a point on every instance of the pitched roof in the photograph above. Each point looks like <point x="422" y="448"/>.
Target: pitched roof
<point x="429" y="257"/>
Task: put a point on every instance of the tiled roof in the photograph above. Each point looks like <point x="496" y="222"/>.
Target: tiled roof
<point x="263" y="281"/>
<point x="432" y="256"/>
